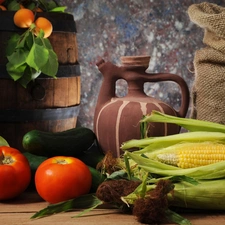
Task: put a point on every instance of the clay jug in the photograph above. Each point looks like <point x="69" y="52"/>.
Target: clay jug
<point x="117" y="119"/>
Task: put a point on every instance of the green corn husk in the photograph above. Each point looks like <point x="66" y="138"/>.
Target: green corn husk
<point x="206" y="195"/>
<point x="198" y="131"/>
<point x="154" y="143"/>
<point x="209" y="193"/>
<point x="187" y="123"/>
<point x="212" y="171"/>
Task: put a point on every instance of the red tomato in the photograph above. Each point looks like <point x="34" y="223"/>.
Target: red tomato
<point x="15" y="173"/>
<point x="1" y="1"/>
<point x="61" y="178"/>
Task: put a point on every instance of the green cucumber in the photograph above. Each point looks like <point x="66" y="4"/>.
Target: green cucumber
<point x="34" y="162"/>
<point x="73" y="142"/>
<point x="93" y="155"/>
<point x="97" y="179"/>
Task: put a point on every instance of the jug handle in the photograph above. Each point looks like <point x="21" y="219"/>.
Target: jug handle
<point x="185" y="94"/>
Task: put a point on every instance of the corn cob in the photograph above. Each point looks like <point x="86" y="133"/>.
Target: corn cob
<point x="193" y="155"/>
<point x="152" y="166"/>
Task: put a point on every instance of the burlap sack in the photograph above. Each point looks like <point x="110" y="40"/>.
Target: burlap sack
<point x="208" y="94"/>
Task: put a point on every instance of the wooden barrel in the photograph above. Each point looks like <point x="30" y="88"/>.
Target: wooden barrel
<point x="46" y="104"/>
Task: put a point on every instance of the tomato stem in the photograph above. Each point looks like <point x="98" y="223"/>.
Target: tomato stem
<point x="1" y="159"/>
<point x="61" y="161"/>
<point x="5" y="159"/>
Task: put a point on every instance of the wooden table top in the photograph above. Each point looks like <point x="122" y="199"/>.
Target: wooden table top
<point x="19" y="211"/>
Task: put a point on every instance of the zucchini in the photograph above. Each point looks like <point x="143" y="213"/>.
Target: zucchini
<point x="73" y="142"/>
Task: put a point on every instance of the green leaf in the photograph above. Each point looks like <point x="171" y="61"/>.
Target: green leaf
<point x="95" y="205"/>
<point x="28" y="75"/>
<point x="29" y="40"/>
<point x="31" y="6"/>
<point x="37" y="57"/>
<point x="29" y="55"/>
<point x="15" y="73"/>
<point x="12" y="43"/>
<point x="18" y="57"/>
<point x="13" y="5"/>
<point x="3" y="142"/>
<point x="82" y="202"/>
<point x="25" y="38"/>
<point x="51" y="66"/>
<point x="176" y="218"/>
<point x="48" y="5"/>
<point x="46" y="43"/>
<point x="51" y="4"/>
<point x="16" y="41"/>
<point x="59" y="9"/>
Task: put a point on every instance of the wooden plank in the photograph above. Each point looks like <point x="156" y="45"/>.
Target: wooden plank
<point x="100" y="217"/>
<point x="19" y="211"/>
<point x="27" y="202"/>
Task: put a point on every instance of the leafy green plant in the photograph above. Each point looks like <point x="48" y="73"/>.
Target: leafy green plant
<point x="45" y="6"/>
<point x="29" y="56"/>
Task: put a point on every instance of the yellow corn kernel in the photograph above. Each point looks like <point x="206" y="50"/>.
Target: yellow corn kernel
<point x="194" y="155"/>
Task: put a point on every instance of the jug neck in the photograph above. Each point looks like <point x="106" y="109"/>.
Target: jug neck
<point x="135" y="88"/>
<point x="135" y="61"/>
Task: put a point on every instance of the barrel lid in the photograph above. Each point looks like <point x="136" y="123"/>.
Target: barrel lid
<point x="60" y="21"/>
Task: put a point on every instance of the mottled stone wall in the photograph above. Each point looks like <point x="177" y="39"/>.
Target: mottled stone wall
<point x="110" y="29"/>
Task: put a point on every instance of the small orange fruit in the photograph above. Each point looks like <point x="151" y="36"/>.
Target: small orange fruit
<point x="23" y="18"/>
<point x="44" y="24"/>
<point x="2" y="8"/>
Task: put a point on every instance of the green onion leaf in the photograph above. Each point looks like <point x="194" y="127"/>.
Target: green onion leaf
<point x="82" y="202"/>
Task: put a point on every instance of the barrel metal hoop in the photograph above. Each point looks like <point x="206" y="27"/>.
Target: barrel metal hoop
<point x="56" y="19"/>
<point x="72" y="70"/>
<point x="34" y="115"/>
<point x="66" y="71"/>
